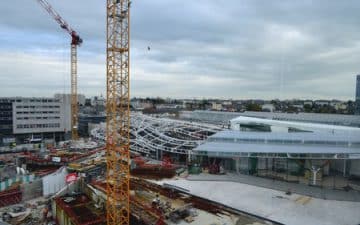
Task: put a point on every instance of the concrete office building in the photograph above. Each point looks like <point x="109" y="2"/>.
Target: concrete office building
<point x="65" y="100"/>
<point x="23" y="119"/>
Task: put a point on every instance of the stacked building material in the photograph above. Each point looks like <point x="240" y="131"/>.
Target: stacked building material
<point x="10" y="197"/>
<point x="153" y="171"/>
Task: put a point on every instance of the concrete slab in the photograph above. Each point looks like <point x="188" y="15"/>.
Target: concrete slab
<point x="302" y="189"/>
<point x="276" y="205"/>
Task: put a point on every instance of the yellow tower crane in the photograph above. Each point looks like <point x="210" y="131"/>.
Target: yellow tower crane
<point x="118" y="112"/>
<point x="75" y="41"/>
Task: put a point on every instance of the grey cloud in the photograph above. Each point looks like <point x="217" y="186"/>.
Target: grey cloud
<point x="250" y="48"/>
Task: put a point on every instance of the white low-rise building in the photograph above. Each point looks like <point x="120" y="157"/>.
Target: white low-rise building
<point x="37" y="118"/>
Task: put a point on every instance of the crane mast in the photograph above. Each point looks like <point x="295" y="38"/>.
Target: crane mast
<point x="118" y="112"/>
<point x="75" y="41"/>
<point x="74" y="95"/>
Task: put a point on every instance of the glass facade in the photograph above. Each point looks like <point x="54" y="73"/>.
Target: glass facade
<point x="357" y="96"/>
<point x="5" y="118"/>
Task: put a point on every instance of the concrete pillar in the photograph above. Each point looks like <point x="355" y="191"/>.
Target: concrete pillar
<point x="287" y="169"/>
<point x="334" y="181"/>
<point x="314" y="171"/>
<point x="237" y="160"/>
<point x="266" y="166"/>
<point x="189" y="158"/>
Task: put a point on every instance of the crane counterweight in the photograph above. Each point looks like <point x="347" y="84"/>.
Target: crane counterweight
<point x="75" y="39"/>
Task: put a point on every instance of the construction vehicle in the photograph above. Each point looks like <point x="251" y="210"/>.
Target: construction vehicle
<point x="75" y="41"/>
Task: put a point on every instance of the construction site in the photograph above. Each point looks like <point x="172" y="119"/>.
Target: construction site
<point x="155" y="169"/>
<point x="81" y="182"/>
<point x="66" y="187"/>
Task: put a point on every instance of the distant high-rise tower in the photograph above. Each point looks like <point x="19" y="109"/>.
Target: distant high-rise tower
<point x="357" y="96"/>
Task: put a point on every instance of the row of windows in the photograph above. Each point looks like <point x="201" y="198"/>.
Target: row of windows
<point x="36" y="100"/>
<point x="38" y="118"/>
<point x="38" y="112"/>
<point x="49" y="125"/>
<point x="42" y="100"/>
<point x="6" y="127"/>
<point x="5" y="100"/>
<point x="286" y="141"/>
<point x="9" y="100"/>
<point x="5" y="113"/>
<point x="6" y="107"/>
<point x="5" y="118"/>
<point x="37" y="106"/>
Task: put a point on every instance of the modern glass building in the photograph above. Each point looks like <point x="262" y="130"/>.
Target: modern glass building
<point x="316" y="154"/>
<point x="357" y="96"/>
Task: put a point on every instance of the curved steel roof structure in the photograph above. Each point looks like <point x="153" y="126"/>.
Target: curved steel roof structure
<point x="150" y="134"/>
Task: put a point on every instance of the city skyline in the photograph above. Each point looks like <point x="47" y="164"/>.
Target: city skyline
<point x="239" y="50"/>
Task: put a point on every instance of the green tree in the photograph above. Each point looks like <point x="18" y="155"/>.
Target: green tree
<point x="253" y="107"/>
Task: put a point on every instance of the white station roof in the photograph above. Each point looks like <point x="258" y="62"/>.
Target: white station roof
<point x="291" y="145"/>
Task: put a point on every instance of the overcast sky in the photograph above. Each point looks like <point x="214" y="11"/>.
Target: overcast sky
<point x="205" y="48"/>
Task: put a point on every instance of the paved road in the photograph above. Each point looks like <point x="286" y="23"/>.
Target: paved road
<point x="316" y="192"/>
